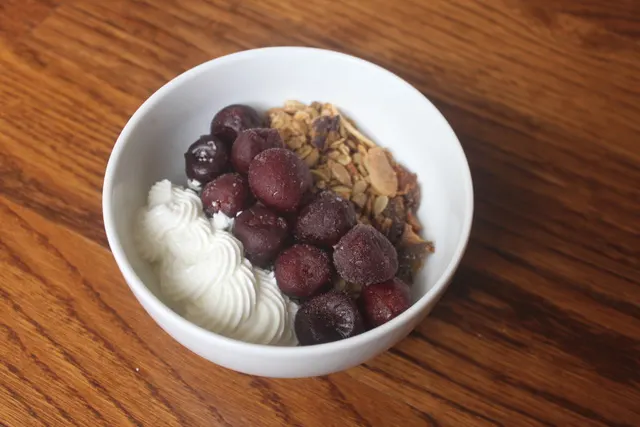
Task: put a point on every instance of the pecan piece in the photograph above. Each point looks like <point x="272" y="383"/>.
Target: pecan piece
<point x="412" y="253"/>
<point x="396" y="212"/>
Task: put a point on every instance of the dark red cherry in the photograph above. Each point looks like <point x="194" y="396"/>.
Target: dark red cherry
<point x="206" y="159"/>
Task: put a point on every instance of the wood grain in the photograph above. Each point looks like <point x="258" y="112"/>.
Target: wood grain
<point x="541" y="326"/>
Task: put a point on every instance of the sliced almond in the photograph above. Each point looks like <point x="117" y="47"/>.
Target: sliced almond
<point x="383" y="177"/>
<point x="357" y="158"/>
<point x="337" y="143"/>
<point x="344" y="150"/>
<point x="360" y="186"/>
<point x="342" y="130"/>
<point x="380" y="204"/>
<point x="312" y="158"/>
<point x="353" y="131"/>
<point x="321" y="174"/>
<point x="333" y="155"/>
<point x="341" y="174"/>
<point x="342" y="191"/>
<point x="344" y="159"/>
<point x="304" y="151"/>
<point x="360" y="199"/>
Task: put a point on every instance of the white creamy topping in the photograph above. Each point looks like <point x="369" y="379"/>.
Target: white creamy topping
<point x="203" y="271"/>
<point x="195" y="185"/>
<point x="220" y="221"/>
<point x="267" y="322"/>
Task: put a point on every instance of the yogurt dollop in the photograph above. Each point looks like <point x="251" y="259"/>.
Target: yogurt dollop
<point x="203" y="271"/>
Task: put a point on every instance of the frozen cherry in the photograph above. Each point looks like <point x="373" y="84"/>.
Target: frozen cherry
<point x="328" y="317"/>
<point x="232" y="119"/>
<point x="262" y="233"/>
<point x="228" y="193"/>
<point x="325" y="220"/>
<point x="279" y="179"/>
<point x="250" y="143"/>
<point x="364" y="256"/>
<point x="382" y="302"/>
<point x="205" y="159"/>
<point x="303" y="270"/>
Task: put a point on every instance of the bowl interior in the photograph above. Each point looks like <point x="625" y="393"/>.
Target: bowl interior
<point x="384" y="107"/>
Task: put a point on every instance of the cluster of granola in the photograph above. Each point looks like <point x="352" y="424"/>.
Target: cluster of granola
<point x="342" y="159"/>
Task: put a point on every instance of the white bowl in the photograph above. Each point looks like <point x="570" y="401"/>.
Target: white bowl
<point x="385" y="107"/>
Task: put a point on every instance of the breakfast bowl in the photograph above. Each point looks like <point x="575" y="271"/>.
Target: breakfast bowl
<point x="386" y="108"/>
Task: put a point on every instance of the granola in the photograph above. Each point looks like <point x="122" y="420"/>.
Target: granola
<point x="384" y="193"/>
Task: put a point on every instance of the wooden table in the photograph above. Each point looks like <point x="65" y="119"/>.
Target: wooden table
<point x="542" y="323"/>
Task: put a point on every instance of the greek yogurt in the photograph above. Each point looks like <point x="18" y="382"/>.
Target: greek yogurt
<point x="203" y="271"/>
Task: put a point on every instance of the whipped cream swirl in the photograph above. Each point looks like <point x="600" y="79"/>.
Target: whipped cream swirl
<point x="203" y="271"/>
